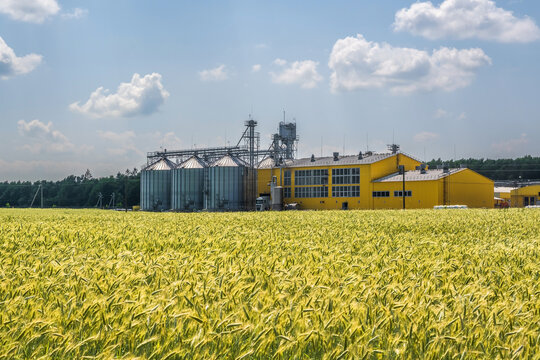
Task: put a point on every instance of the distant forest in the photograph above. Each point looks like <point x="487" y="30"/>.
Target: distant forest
<point x="84" y="191"/>
<point x="523" y="168"/>
<point x="75" y="191"/>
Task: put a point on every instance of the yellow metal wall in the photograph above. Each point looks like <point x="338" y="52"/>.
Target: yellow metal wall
<point x="425" y="194"/>
<point x="264" y="176"/>
<point x="503" y="195"/>
<point x="467" y="187"/>
<point x="517" y="195"/>
<point x="391" y="165"/>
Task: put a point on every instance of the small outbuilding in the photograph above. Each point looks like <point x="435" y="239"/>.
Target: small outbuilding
<point x="525" y="196"/>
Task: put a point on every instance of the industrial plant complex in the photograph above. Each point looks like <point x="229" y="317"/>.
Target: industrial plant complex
<point x="246" y="177"/>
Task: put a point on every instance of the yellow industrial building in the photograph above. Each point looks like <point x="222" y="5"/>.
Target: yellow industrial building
<point x="525" y="196"/>
<point x="372" y="181"/>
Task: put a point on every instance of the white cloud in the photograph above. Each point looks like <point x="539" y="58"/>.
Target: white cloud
<point x="43" y="137"/>
<point x="35" y="11"/>
<point x="261" y="46"/>
<point x="360" y="64"/>
<point x="462" y="116"/>
<point x="441" y="113"/>
<point x="216" y="74"/>
<point x="168" y="140"/>
<point x="128" y="143"/>
<point x="256" y="68"/>
<point x="76" y="13"/>
<point x="141" y="96"/>
<point x="122" y="143"/>
<point x="11" y="64"/>
<point x="511" y="146"/>
<point x="465" y="19"/>
<point x="123" y="137"/>
<point x="425" y="136"/>
<point x="303" y="73"/>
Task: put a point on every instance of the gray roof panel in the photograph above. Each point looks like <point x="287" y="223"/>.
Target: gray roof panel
<point x="228" y="161"/>
<point x="416" y="175"/>
<point x="342" y="160"/>
<point x="162" y="164"/>
<point x="266" y="163"/>
<point x="192" y="163"/>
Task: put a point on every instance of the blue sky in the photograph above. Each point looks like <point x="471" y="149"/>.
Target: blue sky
<point x="97" y="84"/>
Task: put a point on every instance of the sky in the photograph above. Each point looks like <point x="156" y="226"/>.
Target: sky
<point x="98" y="84"/>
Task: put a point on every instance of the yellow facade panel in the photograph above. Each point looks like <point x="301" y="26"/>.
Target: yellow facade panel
<point x="467" y="187"/>
<point x="524" y="196"/>
<point x="424" y="194"/>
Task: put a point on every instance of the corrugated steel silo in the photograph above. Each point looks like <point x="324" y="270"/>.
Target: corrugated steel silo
<point x="156" y="186"/>
<point x="188" y="185"/>
<point x="227" y="181"/>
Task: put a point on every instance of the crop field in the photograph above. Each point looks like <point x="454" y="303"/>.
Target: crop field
<point x="451" y="284"/>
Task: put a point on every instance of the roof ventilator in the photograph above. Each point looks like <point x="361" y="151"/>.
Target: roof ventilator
<point x="445" y="169"/>
<point x="312" y="158"/>
<point x="336" y="156"/>
<point x="360" y="156"/>
<point x="422" y="168"/>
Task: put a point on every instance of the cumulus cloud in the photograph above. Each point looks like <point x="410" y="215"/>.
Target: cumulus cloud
<point x="169" y="140"/>
<point x="303" y="73"/>
<point x="11" y="64"/>
<point x="360" y="64"/>
<point x="127" y="142"/>
<point x="121" y="143"/>
<point x="464" y="19"/>
<point x="44" y="137"/>
<point x="141" y="96"/>
<point x="76" y="13"/>
<point x="441" y="113"/>
<point x="256" y="68"/>
<point x="216" y="74"/>
<point x="35" y="11"/>
<point x="425" y="136"/>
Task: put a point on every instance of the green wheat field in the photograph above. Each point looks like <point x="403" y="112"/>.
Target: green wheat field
<point x="450" y="284"/>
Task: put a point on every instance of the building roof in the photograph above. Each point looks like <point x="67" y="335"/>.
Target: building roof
<point x="161" y="164"/>
<point x="503" y="189"/>
<point x="326" y="161"/>
<point x="342" y="160"/>
<point x="192" y="163"/>
<point x="266" y="163"/>
<point x="228" y="161"/>
<point x="416" y="175"/>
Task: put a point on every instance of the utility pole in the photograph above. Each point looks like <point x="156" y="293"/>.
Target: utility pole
<point x="402" y="171"/>
<point x="100" y="200"/>
<point x="35" y="195"/>
<point x="41" y="187"/>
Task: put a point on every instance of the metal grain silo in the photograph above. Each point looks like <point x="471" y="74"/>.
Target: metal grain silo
<point x="156" y="186"/>
<point x="226" y="187"/>
<point x="188" y="185"/>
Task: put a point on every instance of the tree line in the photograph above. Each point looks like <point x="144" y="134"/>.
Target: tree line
<point x="523" y="168"/>
<point x="75" y="191"/>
